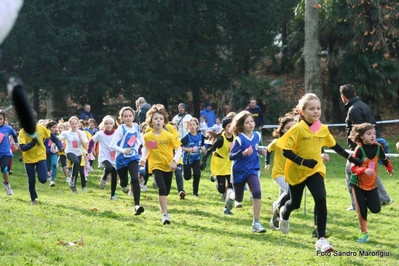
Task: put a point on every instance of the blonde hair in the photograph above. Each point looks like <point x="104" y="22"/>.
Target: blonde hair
<point x="72" y="118"/>
<point x="192" y="119"/>
<point x="304" y="101"/>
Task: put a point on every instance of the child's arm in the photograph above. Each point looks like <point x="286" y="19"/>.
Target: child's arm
<point x="237" y="152"/>
<point x="289" y="154"/>
<point x="144" y="155"/>
<point x="358" y="169"/>
<point x="267" y="161"/>
<point x="218" y="144"/>
<point x="56" y="141"/>
<point x="386" y="162"/>
<point x="339" y="150"/>
<point x="30" y="145"/>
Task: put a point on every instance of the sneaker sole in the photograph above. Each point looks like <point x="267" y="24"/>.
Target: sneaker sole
<point x="258" y="231"/>
<point x="139" y="211"/>
<point x="166" y="222"/>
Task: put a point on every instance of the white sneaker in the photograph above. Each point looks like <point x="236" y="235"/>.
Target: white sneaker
<point x="323" y="245"/>
<point x="230" y="198"/>
<point x="165" y="219"/>
<point x="84" y="189"/>
<point x="68" y="180"/>
<point x="130" y="193"/>
<point x="8" y="189"/>
<point x="52" y="184"/>
<point x="138" y="209"/>
<point x="144" y="188"/>
<point x="115" y="197"/>
<point x="237" y="204"/>
<point x="386" y="203"/>
<point x="102" y="183"/>
<point x="284" y="224"/>
<point x="125" y="190"/>
<point x="258" y="228"/>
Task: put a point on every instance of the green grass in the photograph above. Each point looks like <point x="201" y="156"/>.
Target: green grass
<point x="89" y="229"/>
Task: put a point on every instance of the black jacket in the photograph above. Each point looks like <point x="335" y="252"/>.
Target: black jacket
<point x="357" y="113"/>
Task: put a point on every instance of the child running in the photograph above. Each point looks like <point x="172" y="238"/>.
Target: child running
<point x="5" y="150"/>
<point x="76" y="143"/>
<point x="34" y="155"/>
<point x="158" y="147"/>
<point x="192" y="145"/>
<point x="246" y="164"/>
<point x="51" y="153"/>
<point x="302" y="145"/>
<point x="220" y="163"/>
<point x="363" y="179"/>
<point x="126" y="142"/>
<point x="285" y="123"/>
<point x="106" y="154"/>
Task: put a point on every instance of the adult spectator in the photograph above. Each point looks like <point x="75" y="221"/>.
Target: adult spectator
<point x="86" y="115"/>
<point x="142" y="110"/>
<point x="357" y="113"/>
<point x="180" y="119"/>
<point x="209" y="114"/>
<point x="257" y="114"/>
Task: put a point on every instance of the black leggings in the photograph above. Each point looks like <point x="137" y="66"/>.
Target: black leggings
<point x="367" y="199"/>
<point x="76" y="160"/>
<point x="315" y="184"/>
<point x="164" y="181"/>
<point x="133" y="170"/>
<point x="196" y="174"/>
<point x="222" y="180"/>
<point x="109" y="169"/>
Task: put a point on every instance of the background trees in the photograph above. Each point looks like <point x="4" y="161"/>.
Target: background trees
<point x="108" y="53"/>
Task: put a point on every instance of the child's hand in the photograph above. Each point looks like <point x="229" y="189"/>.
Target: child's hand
<point x="267" y="167"/>
<point x="397" y="145"/>
<point x="142" y="163"/>
<point x="390" y="173"/>
<point x="16" y="146"/>
<point x="369" y="172"/>
<point x="203" y="150"/>
<point x="127" y="151"/>
<point x="173" y="166"/>
<point x="248" y="151"/>
<point x="262" y="151"/>
<point x="325" y="157"/>
<point x="194" y="148"/>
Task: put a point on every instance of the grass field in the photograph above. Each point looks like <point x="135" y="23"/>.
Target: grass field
<point x="89" y="229"/>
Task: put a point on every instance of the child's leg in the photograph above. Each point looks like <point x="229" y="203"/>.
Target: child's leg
<point x="187" y="171"/>
<point x="295" y="200"/>
<point x="179" y="178"/>
<point x="4" y="164"/>
<point x="254" y="184"/>
<point x="82" y="176"/>
<point x="62" y="159"/>
<point x="122" y="172"/>
<point x="221" y="182"/>
<point x="372" y="200"/>
<point x="30" y="172"/>
<point x="280" y="181"/>
<point x="75" y="160"/>
<point x="162" y="191"/>
<point x="134" y="180"/>
<point x="361" y="207"/>
<point x="54" y="165"/>
<point x="197" y="176"/>
<point x="10" y="167"/>
<point x="315" y="184"/>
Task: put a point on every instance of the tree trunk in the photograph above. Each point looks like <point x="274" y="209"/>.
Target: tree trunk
<point x="56" y="109"/>
<point x="311" y="49"/>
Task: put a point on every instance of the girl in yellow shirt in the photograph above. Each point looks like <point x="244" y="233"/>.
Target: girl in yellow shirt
<point x="302" y="145"/>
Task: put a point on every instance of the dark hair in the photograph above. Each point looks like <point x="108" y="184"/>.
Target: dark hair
<point x="3" y="114"/>
<point x="348" y="91"/>
<point x="50" y="124"/>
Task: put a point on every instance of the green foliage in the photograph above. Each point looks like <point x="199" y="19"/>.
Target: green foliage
<point x="89" y="229"/>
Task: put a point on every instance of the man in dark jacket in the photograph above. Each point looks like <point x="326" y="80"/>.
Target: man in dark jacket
<point x="142" y="110"/>
<point x="357" y="113"/>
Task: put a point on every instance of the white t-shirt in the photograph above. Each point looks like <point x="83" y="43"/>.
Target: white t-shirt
<point x="106" y="153"/>
<point x="74" y="145"/>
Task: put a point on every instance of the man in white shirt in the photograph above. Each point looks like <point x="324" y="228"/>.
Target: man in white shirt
<point x="181" y="118"/>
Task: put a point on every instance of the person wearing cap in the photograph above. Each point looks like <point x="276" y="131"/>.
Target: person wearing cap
<point x="209" y="114"/>
<point x="181" y="119"/>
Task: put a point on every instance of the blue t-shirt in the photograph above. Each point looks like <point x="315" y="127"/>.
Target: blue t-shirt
<point x="189" y="141"/>
<point x="5" y="148"/>
<point x="244" y="166"/>
<point x="124" y="159"/>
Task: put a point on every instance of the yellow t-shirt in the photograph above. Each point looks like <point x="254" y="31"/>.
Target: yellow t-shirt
<point x="38" y="152"/>
<point x="168" y="128"/>
<point x="278" y="159"/>
<point x="303" y="142"/>
<point x="160" y="150"/>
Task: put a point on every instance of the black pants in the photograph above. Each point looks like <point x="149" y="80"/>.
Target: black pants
<point x="196" y="174"/>
<point x="133" y="170"/>
<point x="109" y="169"/>
<point x="222" y="180"/>
<point x="315" y="184"/>
<point x="76" y="169"/>
<point x="367" y="199"/>
<point x="164" y="181"/>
